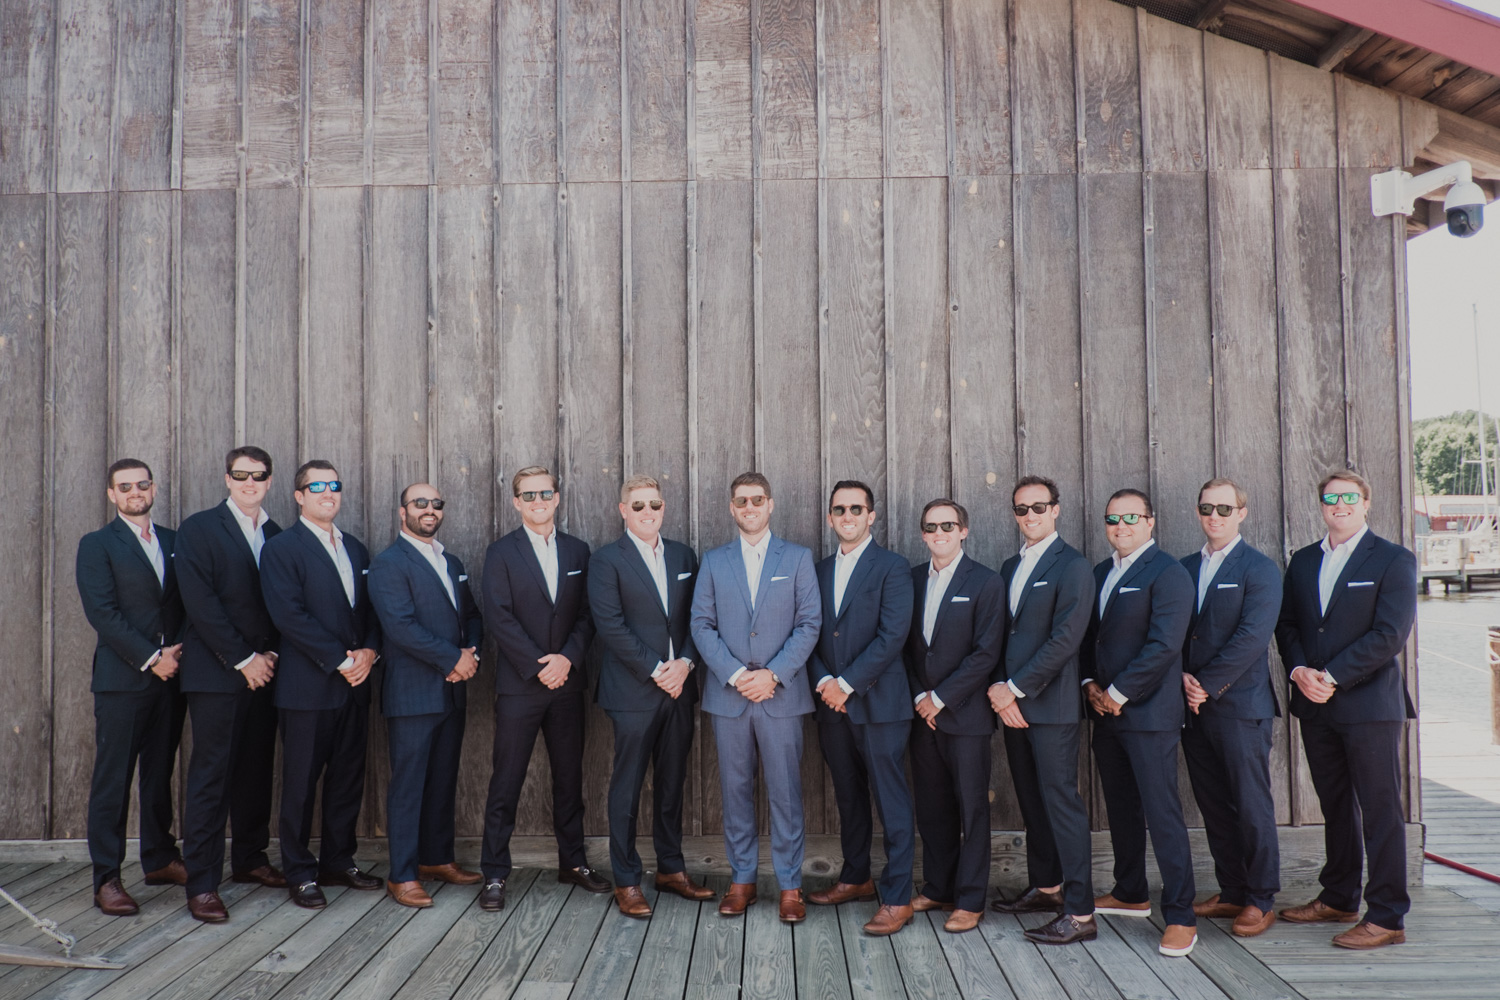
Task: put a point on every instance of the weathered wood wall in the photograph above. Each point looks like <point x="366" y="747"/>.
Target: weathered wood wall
<point x="927" y="243"/>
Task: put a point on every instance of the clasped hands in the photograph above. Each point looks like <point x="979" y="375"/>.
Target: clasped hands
<point x="757" y="685"/>
<point x="554" y="673"/>
<point x="259" y="671"/>
<point x="834" y="695"/>
<point x="1099" y="699"/>
<point x="1194" y="691"/>
<point x="1314" y="687"/>
<point x="358" y="672"/>
<point x="671" y="676"/>
<point x="166" y="664"/>
<point x="1003" y="701"/>
<point x="466" y="667"/>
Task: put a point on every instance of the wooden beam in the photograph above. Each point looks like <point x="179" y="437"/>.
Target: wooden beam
<point x="1342" y="45"/>
<point x="1462" y="138"/>
<point x="1211" y="11"/>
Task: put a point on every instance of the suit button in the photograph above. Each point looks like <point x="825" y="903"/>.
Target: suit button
<point x="1320" y="630"/>
<point x="752" y="633"/>
<point x="835" y="635"/>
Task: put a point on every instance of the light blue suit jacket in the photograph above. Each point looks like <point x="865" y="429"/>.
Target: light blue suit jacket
<point x="777" y="633"/>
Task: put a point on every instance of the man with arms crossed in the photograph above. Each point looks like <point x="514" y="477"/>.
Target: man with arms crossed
<point x="1226" y="677"/>
<point x="1346" y="613"/>
<point x="1049" y="599"/>
<point x="641" y="594"/>
<point x="864" y="712"/>
<point x="755" y="623"/>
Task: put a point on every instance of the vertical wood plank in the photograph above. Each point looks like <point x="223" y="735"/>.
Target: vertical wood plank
<point x="1042" y="107"/>
<point x="1108" y="87"/>
<point x="788" y="81"/>
<point x="852" y="93"/>
<point x="1238" y="99"/>
<point x="980" y="50"/>
<point x="917" y="121"/>
<point x="1172" y="94"/>
<point x="721" y="32"/>
<point x="27" y="47"/>
<point x="528" y="60"/>
<point x="336" y="108"/>
<point x="271" y="363"/>
<point x="655" y="55"/>
<point x="143" y="127"/>
<point x="400" y="77"/>
<point x="591" y="72"/>
<point x="85" y="95"/>
<point x="143" y="342"/>
<point x="206" y="348"/>
<point x="210" y="95"/>
<point x="273" y="46"/>
<point x="465" y="79"/>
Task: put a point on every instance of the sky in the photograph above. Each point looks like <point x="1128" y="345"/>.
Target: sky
<point x="1488" y="6"/>
<point x="1446" y="278"/>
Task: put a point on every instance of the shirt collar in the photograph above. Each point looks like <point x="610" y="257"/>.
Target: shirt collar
<point x="239" y="516"/>
<point x="1222" y="553"/>
<point x="1129" y="561"/>
<point x="1348" y="546"/>
<point x="760" y="548"/>
<point x="434" y="546"/>
<point x="657" y="550"/>
<point x="859" y="550"/>
<point x="1035" y="551"/>
<point x="541" y="541"/>
<point x="131" y="525"/>
<point x="946" y="570"/>
<point x="336" y="534"/>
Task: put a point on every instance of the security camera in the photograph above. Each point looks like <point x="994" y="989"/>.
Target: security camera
<point x="1395" y="192"/>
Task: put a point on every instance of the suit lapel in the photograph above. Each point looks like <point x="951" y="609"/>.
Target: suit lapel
<point x="1356" y="560"/>
<point x="132" y="541"/>
<point x="634" y="558"/>
<point x="422" y="565"/>
<point x="960" y="572"/>
<point x="827" y="570"/>
<point x="233" y="527"/>
<point x="767" y="571"/>
<point x="1038" y="572"/>
<point x="529" y="557"/>
<point x="737" y="570"/>
<point x="857" y="578"/>
<point x="1136" y="569"/>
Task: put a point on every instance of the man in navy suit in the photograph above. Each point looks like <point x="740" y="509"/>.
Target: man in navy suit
<point x="755" y="622"/>
<point x="641" y="594"/>
<point x="313" y="576"/>
<point x="1226" y="677"/>
<point x="129" y="591"/>
<point x="1132" y="665"/>
<point x="863" y="709"/>
<point x="430" y="634"/>
<point x="1049" y="600"/>
<point x="1346" y="614"/>
<point x="536" y="605"/>
<point x="951" y="651"/>
<point x="227" y="667"/>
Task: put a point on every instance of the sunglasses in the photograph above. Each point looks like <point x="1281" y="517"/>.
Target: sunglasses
<point x="837" y="510"/>
<point x="143" y="486"/>
<point x="1222" y="509"/>
<point x="332" y="486"/>
<point x="1329" y="499"/>
<point x="640" y="505"/>
<point x="530" y="495"/>
<point x="1020" y="509"/>
<point x="422" y="503"/>
<point x="1113" y="519"/>
<point x="759" y="500"/>
<point x="932" y="528"/>
<point x="240" y="475"/>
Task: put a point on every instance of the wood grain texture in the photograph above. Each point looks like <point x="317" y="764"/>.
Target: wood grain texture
<point x="86" y="83"/>
<point x="981" y="85"/>
<point x="144" y="98"/>
<point x="466" y="140"/>
<point x="1238" y="100"/>
<point x="398" y="97"/>
<point x="1043" y="125"/>
<point x="1108" y="75"/>
<point x="273" y="48"/>
<point x="528" y="67"/>
<point x="916" y="119"/>
<point x="852" y="95"/>
<point x="206" y="336"/>
<point x="28" y="49"/>
<point x="210" y="95"/>
<point x="788" y="83"/>
<point x="655" y="60"/>
<point x="722" y="88"/>
<point x="336" y="70"/>
<point x="271" y="311"/>
<point x="590" y="57"/>
<point x="1172" y="95"/>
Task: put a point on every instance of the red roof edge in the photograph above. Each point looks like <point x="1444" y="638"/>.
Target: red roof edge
<point x="1460" y="33"/>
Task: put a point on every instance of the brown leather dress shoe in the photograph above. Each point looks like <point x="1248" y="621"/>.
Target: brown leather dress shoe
<point x="888" y="920"/>
<point x="450" y="873"/>
<point x="208" y="907"/>
<point x="921" y="904"/>
<point x="844" y="892"/>
<point x="679" y="884"/>
<point x="1253" y="921"/>
<point x="1365" y="935"/>
<point x="793" y="911"/>
<point x="1317" y="912"/>
<point x="631" y="901"/>
<point x="1213" y="906"/>
<point x="1178" y="940"/>
<point x="739" y="896"/>
<point x="266" y="875"/>
<point x="962" y="920"/>
<point x="174" y="872"/>
<point x="408" y="894"/>
<point x="1109" y="904"/>
<point x="114" y="901"/>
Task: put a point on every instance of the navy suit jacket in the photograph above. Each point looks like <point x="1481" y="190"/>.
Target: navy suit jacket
<point x="422" y="633"/>
<point x="527" y="623"/>
<point x="1044" y="636"/>
<point x="1229" y="638"/>
<point x="863" y="642"/>
<point x="1135" y="644"/>
<point x="637" y="632"/>
<point x="1358" y="641"/>
<point x="777" y="634"/>
<point x="967" y="638"/>
<point x="134" y="614"/>
<point x="227" y="620"/>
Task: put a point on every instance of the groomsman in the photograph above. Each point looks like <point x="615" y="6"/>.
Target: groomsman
<point x="641" y="594"/>
<point x="129" y="591"/>
<point x="864" y="717"/>
<point x="1346" y="614"/>
<point x="1132" y="662"/>
<point x="1226" y="677"/>
<point x="1049" y="599"/>
<point x="313" y="575"/>
<point x="431" y="635"/>
<point x="951" y="650"/>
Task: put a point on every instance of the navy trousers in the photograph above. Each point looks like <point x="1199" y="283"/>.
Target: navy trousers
<point x="424" y="752"/>
<point x="1059" y="851"/>
<point x="328" y="744"/>
<point x="864" y="758"/>
<point x="659" y="741"/>
<point x="518" y="718"/>
<point x="1229" y="762"/>
<point x="229" y="778"/>
<point x="130" y="728"/>
<point x="951" y="779"/>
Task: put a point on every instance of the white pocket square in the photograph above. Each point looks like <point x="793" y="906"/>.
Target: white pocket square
<point x="1129" y="590"/>
<point x="775" y="578"/>
<point x="1040" y="583"/>
<point x="574" y="572"/>
<point x="462" y="577"/>
<point x="1227" y="586"/>
<point x="1361" y="583"/>
<point x="960" y="600"/>
<point x="364" y="572"/>
<point x="683" y="576"/>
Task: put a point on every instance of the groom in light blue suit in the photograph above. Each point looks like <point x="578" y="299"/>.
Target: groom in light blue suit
<point x="755" y="651"/>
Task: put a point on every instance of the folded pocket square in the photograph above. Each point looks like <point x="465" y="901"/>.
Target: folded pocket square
<point x="462" y="577"/>
<point x="775" y="578"/>
<point x="1361" y="583"/>
<point x="1227" y="586"/>
<point x="364" y="572"/>
<point x="574" y="572"/>
<point x="683" y="576"/>
<point x="960" y="600"/>
<point x="1129" y="590"/>
<point x="1040" y="583"/>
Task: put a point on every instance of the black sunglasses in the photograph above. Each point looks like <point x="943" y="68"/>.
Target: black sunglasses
<point x="1330" y="499"/>
<point x="759" y="500"/>
<point x="530" y="495"/>
<point x="332" y="486"/>
<point x="240" y="475"/>
<point x="837" y="510"/>
<point x="931" y="528"/>
<point x="1020" y="509"/>
<point x="640" y="505"/>
<point x="1223" y="509"/>
<point x="422" y="503"/>
<point x="1113" y="519"/>
<point x="143" y="486"/>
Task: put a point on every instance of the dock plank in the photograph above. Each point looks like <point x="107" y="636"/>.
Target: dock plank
<point x="1074" y="968"/>
<point x="449" y="962"/>
<point x="1025" y="969"/>
<point x="975" y="968"/>
<point x="607" y="973"/>
<point x="873" y="972"/>
<point x="503" y="965"/>
<point x="666" y="955"/>
<point x="718" y="947"/>
<point x="398" y="960"/>
<point x="1233" y="969"/>
<point x="768" y="948"/>
<point x="924" y="969"/>
<point x="1183" y="980"/>
<point x="818" y="946"/>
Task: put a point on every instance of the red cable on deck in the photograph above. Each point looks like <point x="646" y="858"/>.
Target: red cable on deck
<point x="1466" y="869"/>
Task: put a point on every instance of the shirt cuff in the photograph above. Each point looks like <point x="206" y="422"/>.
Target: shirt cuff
<point x="1015" y="690"/>
<point x="655" y="673"/>
<point x="1119" y="698"/>
<point x="245" y="662"/>
<point x="151" y="662"/>
<point x="819" y="686"/>
<point x="348" y="662"/>
<point x="844" y="685"/>
<point x="1330" y="679"/>
<point x="936" y="700"/>
<point x="736" y="675"/>
<point x="1086" y="682"/>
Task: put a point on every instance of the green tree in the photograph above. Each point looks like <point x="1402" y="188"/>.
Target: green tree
<point x="1444" y="450"/>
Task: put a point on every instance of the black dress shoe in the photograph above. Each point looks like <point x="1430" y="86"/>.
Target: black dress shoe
<point x="492" y="896"/>
<point x="308" y="896"/>
<point x="585" y="878"/>
<point x="1033" y="900"/>
<point x="352" y="877"/>
<point x="266" y="875"/>
<point x="1064" y="930"/>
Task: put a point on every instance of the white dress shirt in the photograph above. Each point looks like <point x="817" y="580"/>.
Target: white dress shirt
<point x="1208" y="568"/>
<point x="333" y="544"/>
<point x="1030" y="556"/>
<point x="655" y="557"/>
<point x="843" y="569"/>
<point x="1119" y="569"/>
<point x="937" y="589"/>
<point x="545" y="547"/>
<point x="432" y="551"/>
<point x="1335" y="558"/>
<point x="755" y="561"/>
<point x="151" y="545"/>
<point x="255" y="531"/>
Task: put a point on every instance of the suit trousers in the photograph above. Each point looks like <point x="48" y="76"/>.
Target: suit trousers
<point x="951" y="777"/>
<point x="661" y="740"/>
<point x="133" y="727"/>
<point x="1229" y="762"/>
<point x="866" y="757"/>
<point x="1059" y="850"/>
<point x="329" y="744"/>
<point x="851" y="790"/>
<point x="775" y="742"/>
<point x="229" y="778"/>
<point x="1138" y="772"/>
<point x="518" y="718"/>
<point x="424" y="753"/>
<point x="1356" y="770"/>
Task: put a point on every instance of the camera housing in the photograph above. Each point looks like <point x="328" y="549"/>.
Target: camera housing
<point x="1464" y="207"/>
<point x="1395" y="192"/>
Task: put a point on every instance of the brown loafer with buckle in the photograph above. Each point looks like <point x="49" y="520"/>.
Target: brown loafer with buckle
<point x="1253" y="921"/>
<point x="114" y="901"/>
<point x="1365" y="935"/>
<point x="266" y="875"/>
<point x="843" y="892"/>
<point x="208" y="907"/>
<point x="679" y="884"/>
<point x="408" y="894"/>
<point x="888" y="920"/>
<point x="174" y="872"/>
<point x="921" y="904"/>
<point x="1213" y="906"/>
<point x="962" y="920"/>
<point x="1317" y="912"/>
<point x="450" y="873"/>
<point x="739" y="896"/>
<point x="631" y="901"/>
<point x="793" y="911"/>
